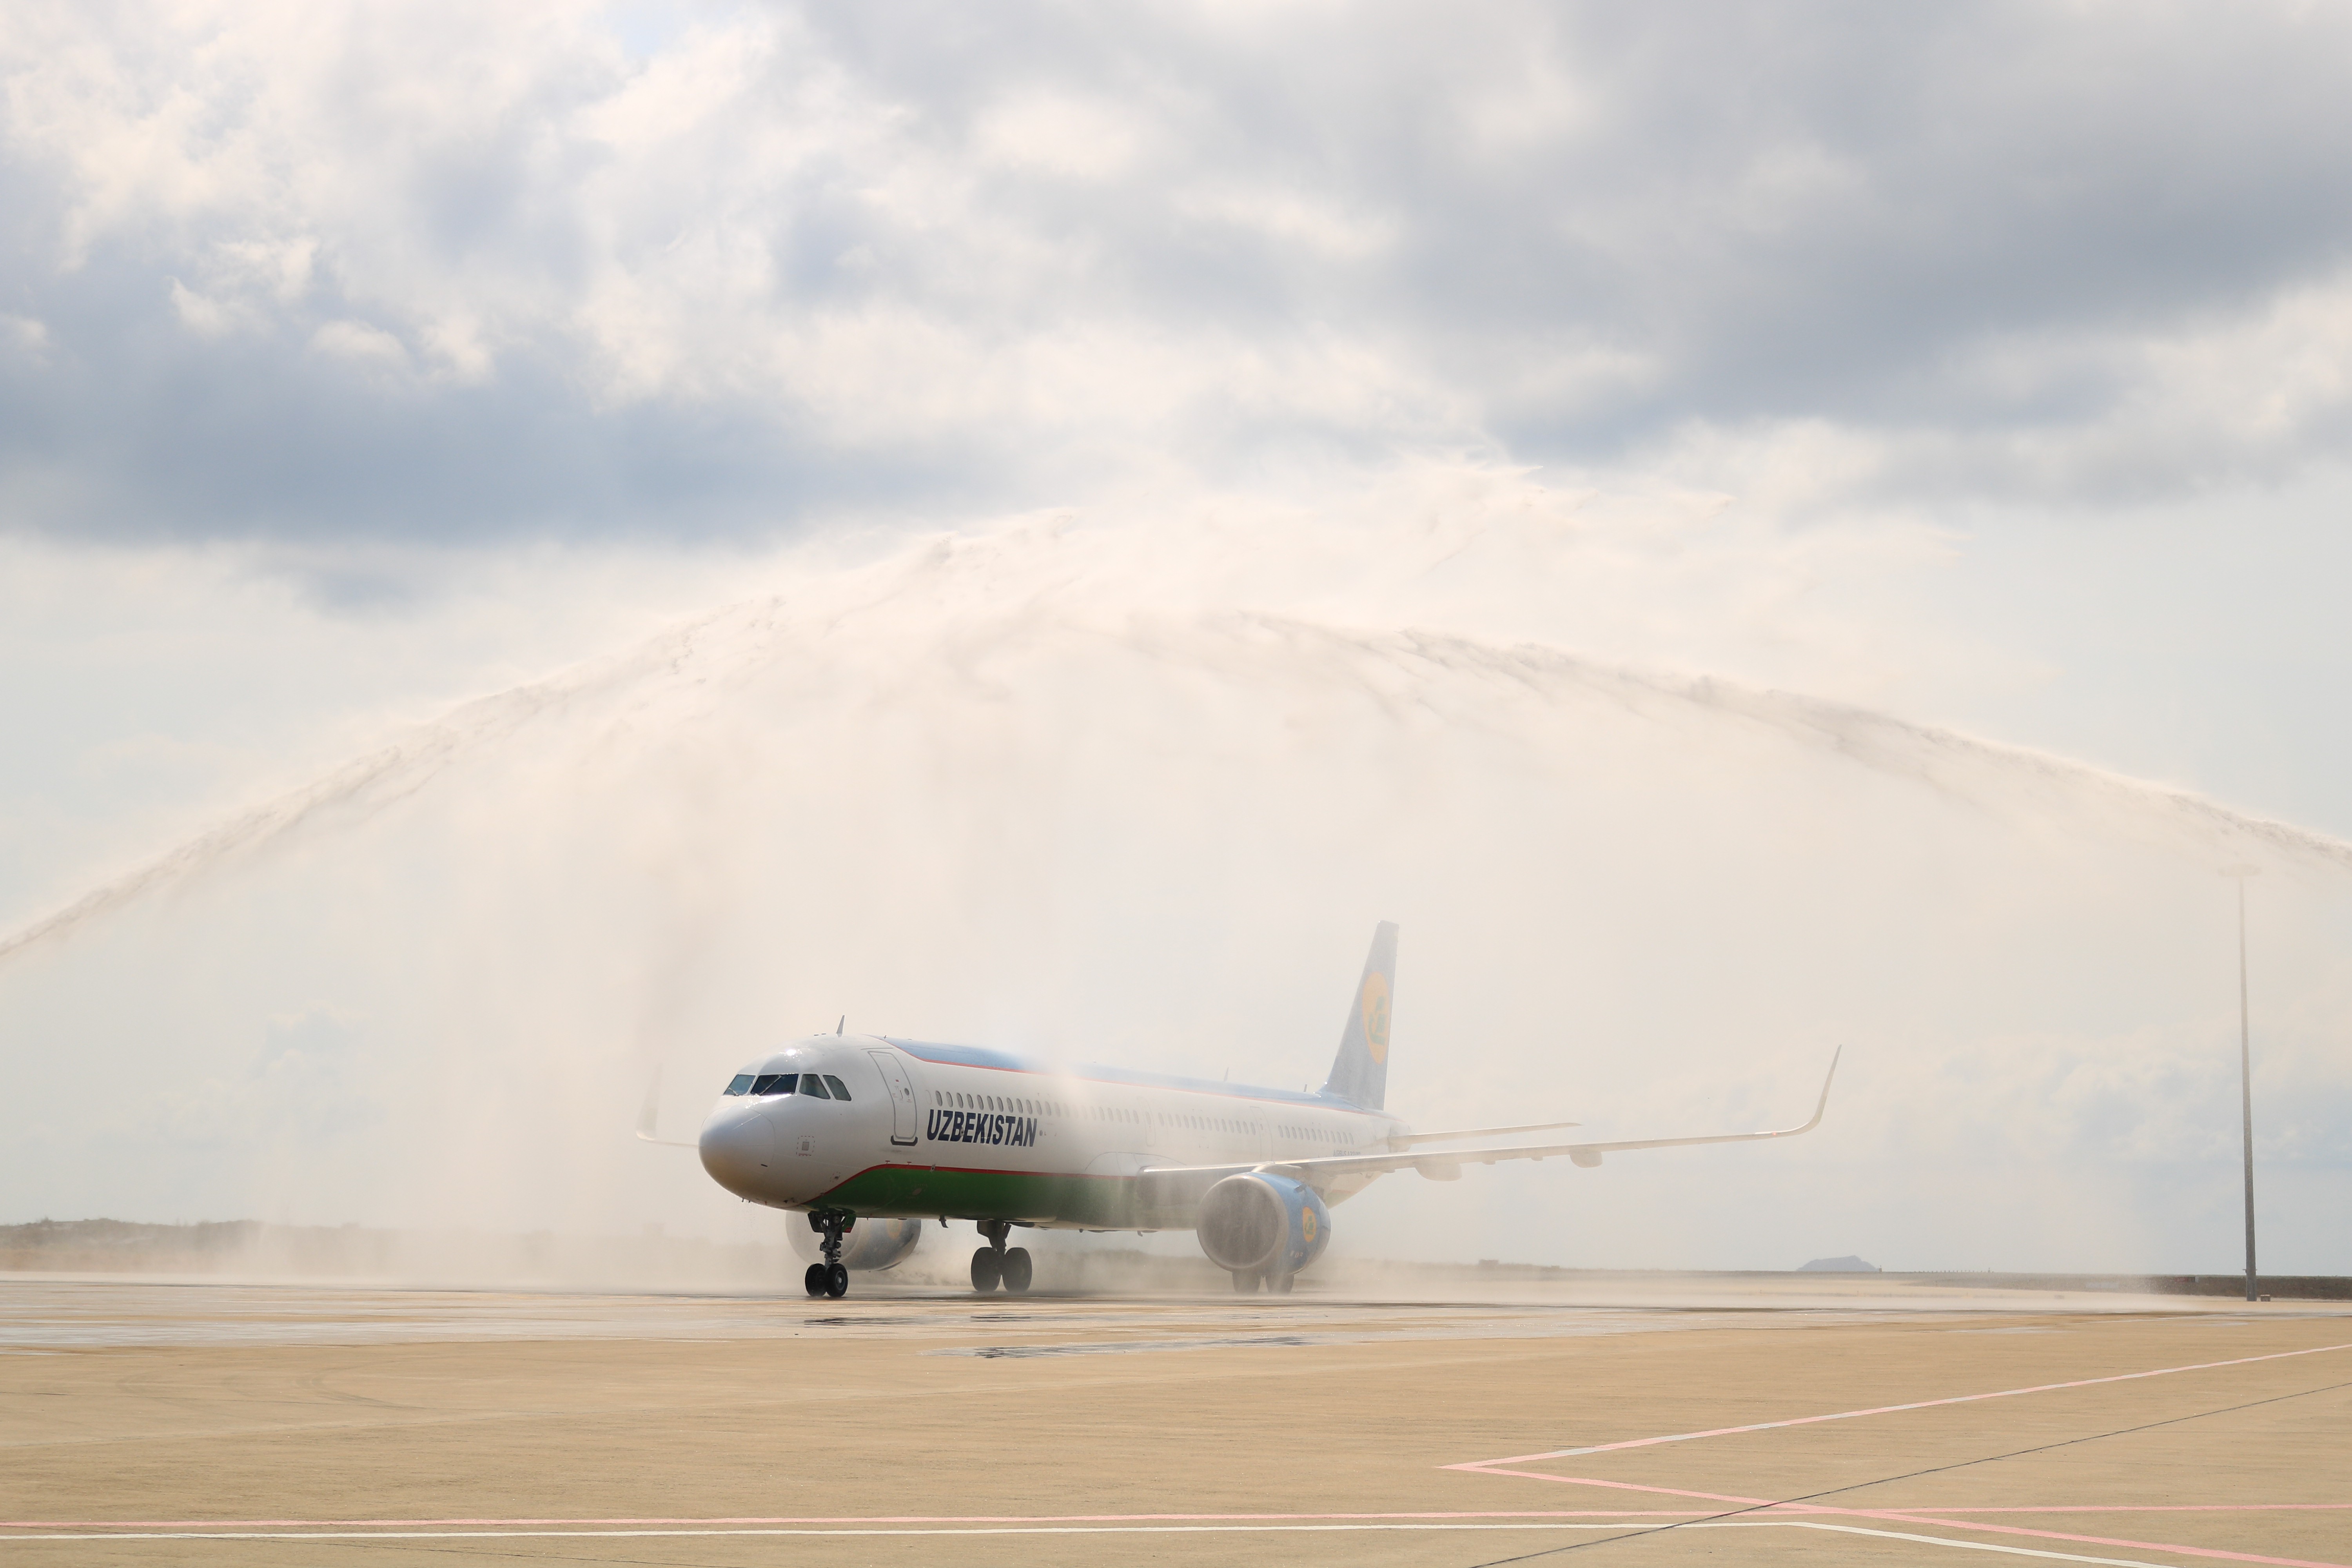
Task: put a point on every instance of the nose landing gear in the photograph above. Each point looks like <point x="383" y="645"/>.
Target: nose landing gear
<point x="830" y="1278"/>
<point x="997" y="1264"/>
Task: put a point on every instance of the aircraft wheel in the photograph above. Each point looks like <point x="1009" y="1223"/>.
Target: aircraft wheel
<point x="1244" y="1282"/>
<point x="1016" y="1271"/>
<point x="836" y="1279"/>
<point x="987" y="1270"/>
<point x="816" y="1280"/>
<point x="1280" y="1284"/>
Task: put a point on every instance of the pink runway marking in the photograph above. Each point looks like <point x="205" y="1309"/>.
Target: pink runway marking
<point x="2153" y="1508"/>
<point x="1944" y="1517"/>
<point x="1767" y="1507"/>
<point x="1888" y="1409"/>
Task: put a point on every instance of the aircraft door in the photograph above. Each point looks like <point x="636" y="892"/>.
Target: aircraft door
<point x="903" y="1112"/>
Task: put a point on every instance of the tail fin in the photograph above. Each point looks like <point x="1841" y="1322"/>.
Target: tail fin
<point x="1359" y="1073"/>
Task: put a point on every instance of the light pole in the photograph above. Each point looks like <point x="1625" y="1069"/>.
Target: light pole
<point x="2245" y="1072"/>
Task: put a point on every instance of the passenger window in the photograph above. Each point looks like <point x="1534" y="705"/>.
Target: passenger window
<point x="840" y="1089"/>
<point x="811" y="1084"/>
<point x="742" y="1083"/>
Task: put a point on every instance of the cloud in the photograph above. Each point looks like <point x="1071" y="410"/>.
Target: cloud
<point x="735" y="273"/>
<point x="361" y="343"/>
<point x="27" y="339"/>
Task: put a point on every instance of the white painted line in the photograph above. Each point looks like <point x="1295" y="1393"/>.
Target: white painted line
<point x="1890" y="1409"/>
<point x="611" y="1534"/>
<point x="710" y="1521"/>
<point x="1623" y="1515"/>
<point x="1082" y="1530"/>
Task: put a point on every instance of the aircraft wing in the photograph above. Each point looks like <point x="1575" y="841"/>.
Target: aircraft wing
<point x="1406" y="1139"/>
<point x="1446" y="1165"/>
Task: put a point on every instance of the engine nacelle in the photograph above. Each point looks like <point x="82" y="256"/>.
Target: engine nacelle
<point x="1263" y="1224"/>
<point x="870" y="1244"/>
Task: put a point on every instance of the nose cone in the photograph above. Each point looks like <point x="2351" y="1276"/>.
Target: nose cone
<point x="737" y="1146"/>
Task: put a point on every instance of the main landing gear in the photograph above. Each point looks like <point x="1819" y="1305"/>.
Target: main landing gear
<point x="997" y="1264"/>
<point x="1248" y="1282"/>
<point x="830" y="1278"/>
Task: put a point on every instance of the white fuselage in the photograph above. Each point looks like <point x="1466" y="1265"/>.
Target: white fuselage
<point x="959" y="1133"/>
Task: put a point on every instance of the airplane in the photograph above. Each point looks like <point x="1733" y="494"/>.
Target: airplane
<point x="871" y="1135"/>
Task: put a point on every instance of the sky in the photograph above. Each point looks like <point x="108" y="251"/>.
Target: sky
<point x="640" y="472"/>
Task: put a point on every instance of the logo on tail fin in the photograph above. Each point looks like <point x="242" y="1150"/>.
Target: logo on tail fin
<point x="1359" y="1073"/>
<point x="1373" y="1005"/>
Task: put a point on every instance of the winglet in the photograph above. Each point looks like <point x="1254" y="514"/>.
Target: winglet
<point x="651" y="1109"/>
<point x="1828" y="1079"/>
<point x="650" y="1113"/>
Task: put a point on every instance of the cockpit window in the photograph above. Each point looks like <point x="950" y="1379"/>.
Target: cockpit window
<point x="811" y="1084"/>
<point x="742" y="1084"/>
<point x="840" y="1089"/>
<point x="773" y="1083"/>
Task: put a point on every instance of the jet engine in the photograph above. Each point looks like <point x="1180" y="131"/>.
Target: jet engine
<point x="1259" y="1225"/>
<point x="870" y="1244"/>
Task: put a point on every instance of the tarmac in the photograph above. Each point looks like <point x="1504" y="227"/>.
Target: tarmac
<point x="1814" y="1421"/>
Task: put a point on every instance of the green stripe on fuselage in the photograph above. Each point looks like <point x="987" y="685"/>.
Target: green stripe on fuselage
<point x="916" y="1192"/>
